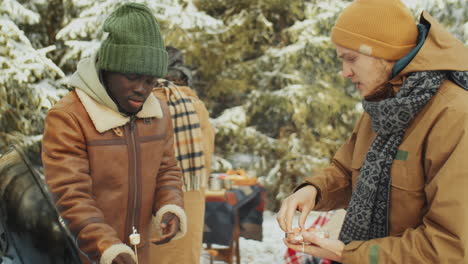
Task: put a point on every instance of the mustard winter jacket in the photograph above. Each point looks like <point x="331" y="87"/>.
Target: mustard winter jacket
<point x="428" y="211"/>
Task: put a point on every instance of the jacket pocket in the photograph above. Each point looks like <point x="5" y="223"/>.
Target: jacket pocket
<point x="406" y="178"/>
<point x="407" y="197"/>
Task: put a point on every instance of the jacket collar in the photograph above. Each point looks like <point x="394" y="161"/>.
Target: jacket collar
<point x="86" y="78"/>
<point x="105" y="118"/>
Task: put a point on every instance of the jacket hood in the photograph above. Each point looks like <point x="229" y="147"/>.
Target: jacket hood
<point x="440" y="51"/>
<point x="86" y="78"/>
<point x="99" y="105"/>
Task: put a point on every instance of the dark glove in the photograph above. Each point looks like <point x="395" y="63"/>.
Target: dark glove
<point x="123" y="258"/>
<point x="170" y="225"/>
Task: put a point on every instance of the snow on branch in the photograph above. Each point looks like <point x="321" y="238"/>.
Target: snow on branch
<point x="18" y="13"/>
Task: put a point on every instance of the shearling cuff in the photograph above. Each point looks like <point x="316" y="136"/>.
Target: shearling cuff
<point x="179" y="212"/>
<point x="113" y="251"/>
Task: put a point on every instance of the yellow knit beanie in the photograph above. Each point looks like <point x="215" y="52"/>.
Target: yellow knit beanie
<point x="379" y="28"/>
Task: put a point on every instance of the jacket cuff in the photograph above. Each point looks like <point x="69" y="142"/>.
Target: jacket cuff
<point x="113" y="251"/>
<point x="179" y="212"/>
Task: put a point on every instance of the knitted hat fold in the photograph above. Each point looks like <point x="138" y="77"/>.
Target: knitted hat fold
<point x="379" y="28"/>
<point x="134" y="43"/>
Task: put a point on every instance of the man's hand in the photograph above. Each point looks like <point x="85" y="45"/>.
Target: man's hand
<point x="302" y="200"/>
<point x="320" y="247"/>
<point x="170" y="225"/>
<point x="123" y="258"/>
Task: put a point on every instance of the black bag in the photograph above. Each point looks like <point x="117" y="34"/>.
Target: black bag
<point x="31" y="230"/>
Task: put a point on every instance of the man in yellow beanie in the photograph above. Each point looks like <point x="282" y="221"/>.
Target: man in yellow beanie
<point x="108" y="151"/>
<point x="402" y="175"/>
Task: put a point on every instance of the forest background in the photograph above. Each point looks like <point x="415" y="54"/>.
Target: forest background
<point x="266" y="70"/>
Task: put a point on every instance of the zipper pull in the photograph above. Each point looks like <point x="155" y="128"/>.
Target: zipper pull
<point x="135" y="240"/>
<point x="134" y="237"/>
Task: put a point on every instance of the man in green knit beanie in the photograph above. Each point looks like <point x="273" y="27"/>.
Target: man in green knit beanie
<point x="108" y="146"/>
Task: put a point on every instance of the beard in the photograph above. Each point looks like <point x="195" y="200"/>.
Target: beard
<point x="385" y="89"/>
<point x="382" y="92"/>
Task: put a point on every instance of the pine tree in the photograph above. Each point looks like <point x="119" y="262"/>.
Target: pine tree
<point x="28" y="85"/>
<point x="290" y="110"/>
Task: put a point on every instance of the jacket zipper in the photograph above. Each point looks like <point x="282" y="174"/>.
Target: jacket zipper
<point x="132" y="132"/>
<point x="133" y="177"/>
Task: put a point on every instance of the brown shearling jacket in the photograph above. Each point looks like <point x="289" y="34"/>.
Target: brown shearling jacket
<point x="111" y="173"/>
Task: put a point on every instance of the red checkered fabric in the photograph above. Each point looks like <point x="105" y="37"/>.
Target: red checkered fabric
<point x="294" y="257"/>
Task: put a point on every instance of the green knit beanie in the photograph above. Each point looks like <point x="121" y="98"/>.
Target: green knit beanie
<point x="134" y="43"/>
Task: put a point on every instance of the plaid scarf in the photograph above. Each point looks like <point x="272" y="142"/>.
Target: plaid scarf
<point x="368" y="212"/>
<point x="187" y="136"/>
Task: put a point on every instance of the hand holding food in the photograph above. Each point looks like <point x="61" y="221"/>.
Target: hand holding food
<point x="296" y="237"/>
<point x="314" y="242"/>
<point x="302" y="200"/>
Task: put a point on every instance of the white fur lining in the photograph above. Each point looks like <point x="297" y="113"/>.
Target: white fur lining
<point x="113" y="251"/>
<point x="179" y="212"/>
<point x="151" y="108"/>
<point x="104" y="118"/>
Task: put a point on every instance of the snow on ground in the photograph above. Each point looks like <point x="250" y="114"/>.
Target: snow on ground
<point x="269" y="251"/>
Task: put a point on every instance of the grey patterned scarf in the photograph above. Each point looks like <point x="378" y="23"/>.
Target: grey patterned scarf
<point x="368" y="211"/>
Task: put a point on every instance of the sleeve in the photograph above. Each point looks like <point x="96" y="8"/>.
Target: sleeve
<point x="66" y="169"/>
<point x="168" y="193"/>
<point x="443" y="235"/>
<point x="334" y="183"/>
